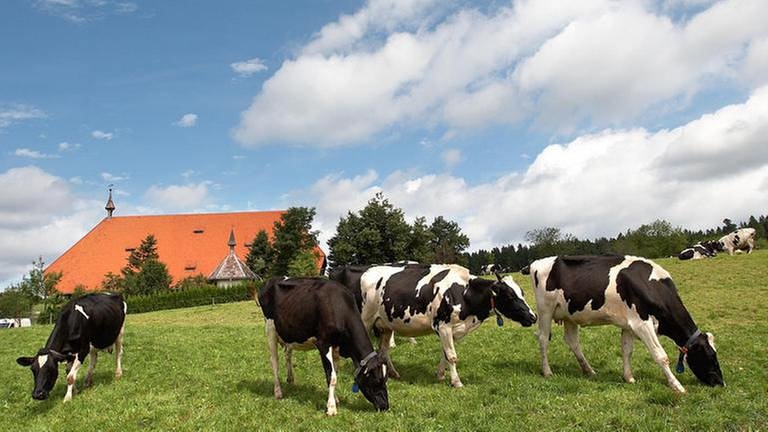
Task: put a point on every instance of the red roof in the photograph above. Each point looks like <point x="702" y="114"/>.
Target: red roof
<point x="189" y="244"/>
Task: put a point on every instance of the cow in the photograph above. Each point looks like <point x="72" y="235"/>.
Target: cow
<point x="706" y="249"/>
<point x="632" y="293"/>
<point x="739" y="240"/>
<point x="84" y="326"/>
<point x="417" y="299"/>
<point x="301" y="313"/>
<point x="488" y="269"/>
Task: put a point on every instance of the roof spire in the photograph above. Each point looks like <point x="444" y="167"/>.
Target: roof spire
<point x="232" y="242"/>
<point x="110" y="207"/>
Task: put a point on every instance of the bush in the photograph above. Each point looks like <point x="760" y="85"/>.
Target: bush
<point x="193" y="295"/>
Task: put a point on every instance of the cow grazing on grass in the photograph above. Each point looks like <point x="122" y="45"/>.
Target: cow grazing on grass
<point x="84" y="326"/>
<point x="418" y="299"/>
<point x="743" y="239"/>
<point x="633" y="293"/>
<point x="706" y="249"/>
<point x="302" y="313"/>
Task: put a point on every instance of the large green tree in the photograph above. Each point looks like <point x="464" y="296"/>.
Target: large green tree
<point x="260" y="254"/>
<point x="15" y="304"/>
<point x="147" y="250"/>
<point x="293" y="235"/>
<point x="447" y="241"/>
<point x="38" y="285"/>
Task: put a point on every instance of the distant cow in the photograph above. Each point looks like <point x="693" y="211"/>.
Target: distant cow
<point x="414" y="300"/>
<point x="633" y="293"/>
<point x="302" y="313"/>
<point x="739" y="240"/>
<point x="84" y="326"/>
<point x="488" y="269"/>
<point x="706" y="249"/>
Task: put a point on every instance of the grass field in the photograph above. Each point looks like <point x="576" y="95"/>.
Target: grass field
<point x="206" y="368"/>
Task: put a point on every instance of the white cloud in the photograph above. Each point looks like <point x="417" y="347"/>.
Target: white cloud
<point x="32" y="154"/>
<point x="113" y="178"/>
<point x="101" y="135"/>
<point x="65" y="146"/>
<point x="596" y="185"/>
<point x="567" y="65"/>
<point x="451" y="157"/>
<point x="248" y="67"/>
<point x="187" y="120"/>
<point x="82" y="11"/>
<point x="187" y="197"/>
<point x="16" y="113"/>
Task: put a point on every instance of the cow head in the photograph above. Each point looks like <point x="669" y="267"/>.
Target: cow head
<point x="372" y="381"/>
<point x="45" y="370"/>
<point x="511" y="302"/>
<point x="702" y="359"/>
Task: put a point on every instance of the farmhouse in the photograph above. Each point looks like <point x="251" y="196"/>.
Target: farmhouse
<point x="189" y="245"/>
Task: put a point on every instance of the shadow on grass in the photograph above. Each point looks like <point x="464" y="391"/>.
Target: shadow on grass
<point x="305" y="394"/>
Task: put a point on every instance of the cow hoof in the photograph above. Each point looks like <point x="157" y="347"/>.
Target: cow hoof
<point x="457" y="384"/>
<point x="589" y="372"/>
<point x="440" y="375"/>
<point x="547" y="374"/>
<point x="67" y="398"/>
<point x="88" y="382"/>
<point x="278" y="394"/>
<point x="290" y="380"/>
<point x="679" y="389"/>
<point x="394" y="374"/>
<point x="331" y="412"/>
<point x="629" y="380"/>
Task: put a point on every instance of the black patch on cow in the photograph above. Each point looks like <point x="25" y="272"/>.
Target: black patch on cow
<point x="686" y="254"/>
<point x="536" y="278"/>
<point x="582" y="279"/>
<point x="349" y="276"/>
<point x="655" y="297"/>
<point x="399" y="292"/>
<point x="453" y="296"/>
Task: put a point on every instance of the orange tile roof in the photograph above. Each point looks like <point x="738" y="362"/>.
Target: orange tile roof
<point x="189" y="244"/>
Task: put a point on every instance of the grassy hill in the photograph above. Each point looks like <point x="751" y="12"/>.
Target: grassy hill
<point x="207" y="368"/>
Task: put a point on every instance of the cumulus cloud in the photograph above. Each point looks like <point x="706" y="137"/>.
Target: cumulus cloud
<point x="112" y="177"/>
<point x="32" y="154"/>
<point x="565" y="64"/>
<point x="598" y="184"/>
<point x="247" y="68"/>
<point x="184" y="197"/>
<point x="187" y="120"/>
<point x="16" y="113"/>
<point x="101" y="135"/>
<point x="65" y="146"/>
<point x="83" y="11"/>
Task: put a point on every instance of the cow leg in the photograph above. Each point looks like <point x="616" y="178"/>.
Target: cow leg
<point x="645" y="332"/>
<point x="449" y="351"/>
<point x="751" y="244"/>
<point x="441" y="368"/>
<point x="71" y="377"/>
<point x="627" y="344"/>
<point x="119" y="353"/>
<point x="288" y="364"/>
<point x="572" y="340"/>
<point x="272" y="346"/>
<point x="91" y="366"/>
<point x="326" y="355"/>
<point x="545" y="331"/>
<point x="385" y="336"/>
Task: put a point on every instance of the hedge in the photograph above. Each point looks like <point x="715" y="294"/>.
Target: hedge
<point x="189" y="297"/>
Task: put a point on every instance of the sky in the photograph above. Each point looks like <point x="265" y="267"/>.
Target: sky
<point x="593" y="116"/>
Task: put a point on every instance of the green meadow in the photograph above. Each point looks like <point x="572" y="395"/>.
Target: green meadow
<point x="206" y="368"/>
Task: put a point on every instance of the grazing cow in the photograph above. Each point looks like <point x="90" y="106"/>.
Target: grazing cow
<point x="739" y="240"/>
<point x="85" y="325"/>
<point x="414" y="300"/>
<point x="633" y="293"/>
<point x="706" y="249"/>
<point x="488" y="269"/>
<point x="304" y="312"/>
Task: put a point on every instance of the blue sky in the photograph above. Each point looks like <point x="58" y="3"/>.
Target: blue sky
<point x="593" y="116"/>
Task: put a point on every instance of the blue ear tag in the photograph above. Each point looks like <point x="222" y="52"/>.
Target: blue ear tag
<point x="355" y="389"/>
<point x="499" y="321"/>
<point x="680" y="368"/>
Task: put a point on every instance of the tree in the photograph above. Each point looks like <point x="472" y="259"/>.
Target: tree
<point x="260" y="254"/>
<point x="447" y="241"/>
<point x="15" y="304"/>
<point x="153" y="276"/>
<point x="303" y="265"/>
<point x="112" y="283"/>
<point x="420" y="242"/>
<point x="38" y="285"/>
<point x="728" y="226"/>
<point x="147" y="250"/>
<point x="292" y="235"/>
<point x="378" y="233"/>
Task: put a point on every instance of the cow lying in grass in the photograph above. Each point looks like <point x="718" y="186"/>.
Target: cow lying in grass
<point x="302" y="313"/>
<point x="632" y="293"/>
<point x="84" y="326"/>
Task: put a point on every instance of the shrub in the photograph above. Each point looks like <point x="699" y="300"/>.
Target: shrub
<point x="198" y="295"/>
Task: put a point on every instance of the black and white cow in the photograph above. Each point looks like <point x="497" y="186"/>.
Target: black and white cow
<point x="706" y="249"/>
<point x="85" y="325"/>
<point x="739" y="240"/>
<point x="302" y="313"/>
<point x="632" y="293"/>
<point x="418" y="299"/>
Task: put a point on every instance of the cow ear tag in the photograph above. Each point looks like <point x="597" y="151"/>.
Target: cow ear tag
<point x="355" y="388"/>
<point x="499" y="321"/>
<point x="680" y="368"/>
